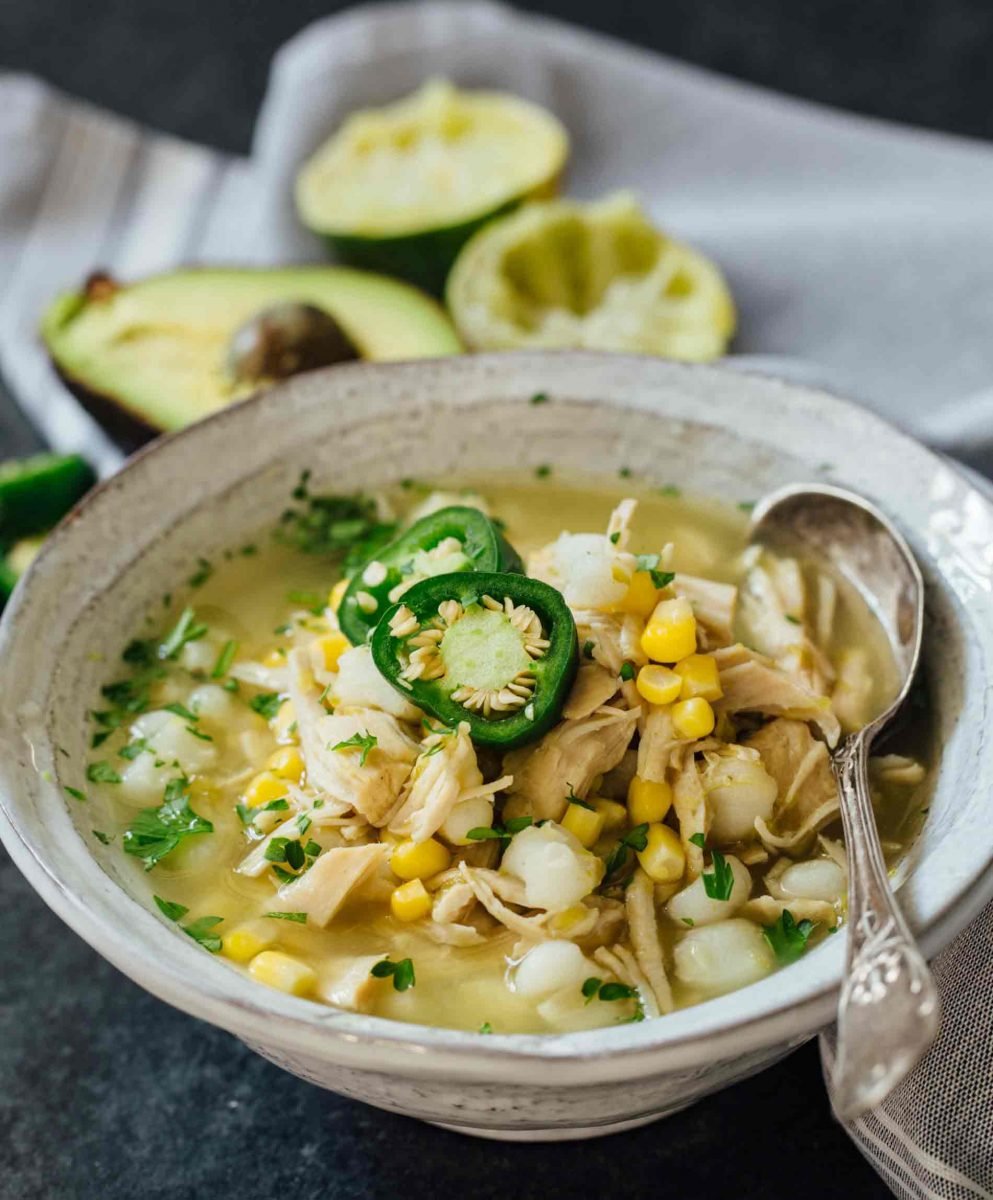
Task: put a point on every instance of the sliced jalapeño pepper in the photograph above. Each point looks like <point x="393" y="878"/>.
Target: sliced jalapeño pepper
<point x="499" y="651"/>
<point x="36" y="493"/>
<point x="452" y="539"/>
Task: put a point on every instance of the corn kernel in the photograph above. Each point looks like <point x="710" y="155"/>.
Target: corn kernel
<point x="700" y="677"/>
<point x="671" y="631"/>
<point x="275" y="658"/>
<point x="283" y="972"/>
<point x="245" y="941"/>
<point x="584" y="823"/>
<point x="264" y="787"/>
<point x="693" y="718"/>
<point x="286" y="763"/>
<point x="337" y="594"/>
<point x="332" y="647"/>
<point x="419" y="860"/>
<point x="283" y="724"/>
<point x="658" y="685"/>
<point x="641" y="597"/>
<point x="410" y="901"/>
<point x="663" y="858"/>
<point x="615" y="815"/>
<point x="648" y="800"/>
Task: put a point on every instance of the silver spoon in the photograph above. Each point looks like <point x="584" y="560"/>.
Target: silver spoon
<point x="888" y="1009"/>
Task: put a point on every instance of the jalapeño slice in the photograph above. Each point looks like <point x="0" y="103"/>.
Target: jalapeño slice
<point x="454" y="539"/>
<point x="499" y="651"/>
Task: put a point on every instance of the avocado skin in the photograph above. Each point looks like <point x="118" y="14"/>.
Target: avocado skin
<point x="418" y="321"/>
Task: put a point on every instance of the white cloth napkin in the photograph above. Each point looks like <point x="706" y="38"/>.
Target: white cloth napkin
<point x="856" y="245"/>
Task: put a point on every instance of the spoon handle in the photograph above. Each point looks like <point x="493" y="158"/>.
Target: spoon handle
<point x="889" y="1008"/>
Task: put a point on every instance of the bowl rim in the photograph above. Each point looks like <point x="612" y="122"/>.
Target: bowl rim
<point x="249" y="1010"/>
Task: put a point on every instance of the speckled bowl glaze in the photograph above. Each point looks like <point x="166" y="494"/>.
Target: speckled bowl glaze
<point x="709" y="430"/>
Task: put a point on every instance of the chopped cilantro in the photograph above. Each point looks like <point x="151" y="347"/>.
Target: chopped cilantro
<point x="718" y="883"/>
<point x="366" y="742"/>
<point x="199" y="733"/>
<point x="699" y="839"/>
<point x="588" y="647"/>
<point x="650" y="563"/>
<point x="615" y="538"/>
<point x="139" y="653"/>
<point x="627" y="671"/>
<point x="486" y="1027"/>
<point x="266" y="704"/>
<point x="181" y="710"/>
<point x="224" y="659"/>
<point x="501" y="833"/>
<point x="688" y="921"/>
<point x="103" y="838"/>
<point x="746" y="505"/>
<point x="793" y="620"/>
<point x="186" y="629"/>
<point x="343" y="528"/>
<point x="170" y="909"/>
<point x="539" y="398"/>
<point x="286" y="850"/>
<point x="75" y="793"/>
<point x="619" y="862"/>
<point x="156" y="832"/>
<point x="670" y="489"/>
<point x="133" y="749"/>
<point x="543" y="471"/>
<point x="402" y="973"/>
<point x="200" y="931"/>
<point x="624" y="473"/>
<point x="201" y="574"/>
<point x="102" y="772"/>
<point x="299" y="917"/>
<point x="596" y="989"/>
<point x="788" y="937"/>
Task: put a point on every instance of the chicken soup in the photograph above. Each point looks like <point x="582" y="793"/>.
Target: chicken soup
<point x="520" y="756"/>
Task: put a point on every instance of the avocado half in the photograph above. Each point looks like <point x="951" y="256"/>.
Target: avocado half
<point x="152" y="356"/>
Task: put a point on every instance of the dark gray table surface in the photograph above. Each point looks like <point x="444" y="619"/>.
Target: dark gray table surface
<point x="107" y="1093"/>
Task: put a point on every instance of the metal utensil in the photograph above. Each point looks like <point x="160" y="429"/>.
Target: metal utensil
<point x="888" y="1010"/>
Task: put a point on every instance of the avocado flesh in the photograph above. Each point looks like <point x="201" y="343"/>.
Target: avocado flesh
<point x="151" y="356"/>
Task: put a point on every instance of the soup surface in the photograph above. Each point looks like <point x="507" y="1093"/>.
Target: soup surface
<point x="673" y="833"/>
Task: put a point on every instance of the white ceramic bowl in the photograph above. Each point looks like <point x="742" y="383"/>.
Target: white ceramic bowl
<point x="709" y="430"/>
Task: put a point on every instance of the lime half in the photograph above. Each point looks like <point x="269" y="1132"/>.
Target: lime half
<point x="561" y="275"/>
<point x="402" y="188"/>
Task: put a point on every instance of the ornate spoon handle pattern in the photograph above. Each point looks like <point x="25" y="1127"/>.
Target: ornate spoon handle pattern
<point x="889" y="1010"/>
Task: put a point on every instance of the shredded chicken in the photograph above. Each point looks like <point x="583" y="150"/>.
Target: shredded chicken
<point x="453" y="902"/>
<point x="568" y="759"/>
<point x="808" y="794"/>
<point x="689" y="802"/>
<point x="643" y="926"/>
<point x="713" y="606"/>
<point x="352" y="984"/>
<point x="481" y="883"/>
<point x="622" y="963"/>
<point x="614" y="638"/>
<point x="753" y="683"/>
<point x="441" y="777"/>
<point x="658" y="741"/>
<point x="594" y="686"/>
<point x="334" y="876"/>
<point x="766" y="910"/>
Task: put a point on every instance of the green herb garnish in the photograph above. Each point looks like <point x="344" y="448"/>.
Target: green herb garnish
<point x="266" y="704"/>
<point x="366" y="742"/>
<point x="588" y="648"/>
<point x="201" y="574"/>
<point x="539" y="398"/>
<point x="187" y="629"/>
<point x="698" y="839"/>
<point x="650" y="563"/>
<point x="75" y="793"/>
<point x="402" y="972"/>
<point x="156" y="832"/>
<point x="299" y="917"/>
<point x="718" y="883"/>
<point x="344" y="528"/>
<point x="103" y="838"/>
<point x="627" y="671"/>
<point x="180" y="710"/>
<point x="619" y="861"/>
<point x="788" y="937"/>
<point x="224" y="659"/>
<point x="543" y="471"/>
<point x="102" y="772"/>
<point x="502" y="833"/>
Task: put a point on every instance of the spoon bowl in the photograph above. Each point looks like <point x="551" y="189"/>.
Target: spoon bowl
<point x="888" y="1009"/>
